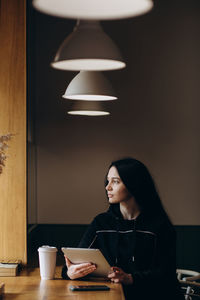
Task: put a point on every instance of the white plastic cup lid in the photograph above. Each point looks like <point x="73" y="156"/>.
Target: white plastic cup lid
<point x="47" y="249"/>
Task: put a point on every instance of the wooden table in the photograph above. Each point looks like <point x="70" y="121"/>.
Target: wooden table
<point x="29" y="286"/>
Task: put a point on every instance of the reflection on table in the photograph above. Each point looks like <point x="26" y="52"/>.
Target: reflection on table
<point x="29" y="286"/>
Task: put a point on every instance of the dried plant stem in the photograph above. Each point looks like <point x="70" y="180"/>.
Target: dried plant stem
<point x="3" y="146"/>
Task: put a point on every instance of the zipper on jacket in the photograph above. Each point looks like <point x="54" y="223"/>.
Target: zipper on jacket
<point x="134" y="240"/>
<point x="117" y="243"/>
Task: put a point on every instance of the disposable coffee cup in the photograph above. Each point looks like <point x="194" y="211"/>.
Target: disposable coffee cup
<point x="47" y="261"/>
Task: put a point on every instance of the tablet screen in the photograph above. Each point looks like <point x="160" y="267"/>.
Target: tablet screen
<point x="82" y="255"/>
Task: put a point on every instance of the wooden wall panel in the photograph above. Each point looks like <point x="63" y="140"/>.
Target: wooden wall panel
<point x="13" y="120"/>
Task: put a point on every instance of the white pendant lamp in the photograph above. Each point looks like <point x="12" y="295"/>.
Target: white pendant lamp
<point x="88" y="47"/>
<point x="94" y="9"/>
<point x="90" y="85"/>
<point x="87" y="108"/>
<point x="91" y="113"/>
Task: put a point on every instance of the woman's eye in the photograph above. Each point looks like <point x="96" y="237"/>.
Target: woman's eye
<point x="116" y="181"/>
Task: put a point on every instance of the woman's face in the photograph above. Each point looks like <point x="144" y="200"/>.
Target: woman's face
<point x="116" y="190"/>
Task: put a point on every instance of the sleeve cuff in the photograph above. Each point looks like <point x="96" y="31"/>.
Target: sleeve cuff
<point x="64" y="273"/>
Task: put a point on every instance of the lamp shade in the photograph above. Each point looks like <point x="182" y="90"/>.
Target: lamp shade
<point x="90" y="85"/>
<point x="88" y="47"/>
<point x="93" y="9"/>
<point x="87" y="108"/>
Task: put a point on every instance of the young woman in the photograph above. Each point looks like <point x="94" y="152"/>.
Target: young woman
<point x="135" y="235"/>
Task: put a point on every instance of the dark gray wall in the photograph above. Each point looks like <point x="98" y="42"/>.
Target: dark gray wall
<point x="156" y="118"/>
<point x="188" y="242"/>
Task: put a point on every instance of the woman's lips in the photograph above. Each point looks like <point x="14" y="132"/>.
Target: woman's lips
<point x="110" y="196"/>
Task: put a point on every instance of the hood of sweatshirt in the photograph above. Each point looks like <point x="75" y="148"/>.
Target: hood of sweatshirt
<point x="142" y="222"/>
<point x="114" y="212"/>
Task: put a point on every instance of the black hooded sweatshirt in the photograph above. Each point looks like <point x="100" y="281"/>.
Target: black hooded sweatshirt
<point x="144" y="247"/>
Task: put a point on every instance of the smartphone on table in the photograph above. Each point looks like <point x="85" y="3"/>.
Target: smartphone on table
<point x="89" y="288"/>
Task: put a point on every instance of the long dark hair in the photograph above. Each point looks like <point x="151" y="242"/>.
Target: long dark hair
<point x="138" y="181"/>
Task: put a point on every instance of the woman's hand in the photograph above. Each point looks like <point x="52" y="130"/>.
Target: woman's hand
<point x="117" y="275"/>
<point x="78" y="270"/>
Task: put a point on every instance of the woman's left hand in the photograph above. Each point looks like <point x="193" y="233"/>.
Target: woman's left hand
<point x="117" y="275"/>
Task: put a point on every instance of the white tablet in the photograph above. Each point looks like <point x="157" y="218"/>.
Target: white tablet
<point x="81" y="255"/>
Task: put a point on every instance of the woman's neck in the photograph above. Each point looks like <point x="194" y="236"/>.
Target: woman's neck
<point x="129" y="209"/>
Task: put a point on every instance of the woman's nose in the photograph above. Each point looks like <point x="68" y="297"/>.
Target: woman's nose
<point x="108" y="187"/>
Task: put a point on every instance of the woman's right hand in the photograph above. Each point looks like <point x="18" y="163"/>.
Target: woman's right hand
<point x="78" y="270"/>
